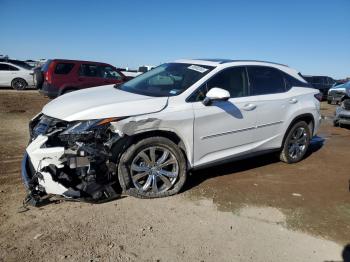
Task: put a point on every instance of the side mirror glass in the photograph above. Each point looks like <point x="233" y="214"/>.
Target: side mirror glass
<point x="216" y="94"/>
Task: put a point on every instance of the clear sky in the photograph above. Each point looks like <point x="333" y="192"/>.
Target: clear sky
<point x="311" y="36"/>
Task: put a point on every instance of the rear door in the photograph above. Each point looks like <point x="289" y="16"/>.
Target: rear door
<point x="224" y="128"/>
<point x="89" y="75"/>
<point x="4" y="75"/>
<point x="7" y="74"/>
<point x="62" y="75"/>
<point x="268" y="92"/>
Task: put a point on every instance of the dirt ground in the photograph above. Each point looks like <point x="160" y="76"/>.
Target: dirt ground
<point x="252" y="210"/>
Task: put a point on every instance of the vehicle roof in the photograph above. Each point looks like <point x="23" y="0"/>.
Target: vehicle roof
<point x="316" y="76"/>
<point x="217" y="62"/>
<point x="9" y="63"/>
<point x="227" y="63"/>
<point x="77" y="61"/>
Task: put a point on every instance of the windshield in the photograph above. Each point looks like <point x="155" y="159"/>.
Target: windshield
<point x="166" y="80"/>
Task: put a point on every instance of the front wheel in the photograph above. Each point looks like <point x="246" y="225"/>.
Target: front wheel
<point x="19" y="84"/>
<point x="153" y="167"/>
<point x="296" y="143"/>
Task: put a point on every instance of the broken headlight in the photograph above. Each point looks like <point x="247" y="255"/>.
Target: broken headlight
<point x="84" y="130"/>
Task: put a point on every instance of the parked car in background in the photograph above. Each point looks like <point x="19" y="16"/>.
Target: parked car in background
<point x="322" y="83"/>
<point x="16" y="62"/>
<point x="342" y="113"/>
<point x="130" y="74"/>
<point x="339" y="93"/>
<point x="150" y="131"/>
<point x="145" y="68"/>
<point x="15" y="76"/>
<point x="60" y="76"/>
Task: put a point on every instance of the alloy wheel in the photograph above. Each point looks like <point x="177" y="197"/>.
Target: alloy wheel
<point x="154" y="169"/>
<point x="19" y="84"/>
<point x="298" y="143"/>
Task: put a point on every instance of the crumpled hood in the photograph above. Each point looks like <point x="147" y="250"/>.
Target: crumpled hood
<point x="102" y="102"/>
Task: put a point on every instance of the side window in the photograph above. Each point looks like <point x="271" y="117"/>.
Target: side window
<point x="110" y="73"/>
<point x="291" y="81"/>
<point x="12" y="68"/>
<point x="4" y="67"/>
<point x="331" y="81"/>
<point x="63" y="68"/>
<point x="265" y="80"/>
<point x="89" y="70"/>
<point x="234" y="80"/>
<point x="308" y="79"/>
<point x="317" y="80"/>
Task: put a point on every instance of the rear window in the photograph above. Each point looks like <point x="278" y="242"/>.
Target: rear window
<point x="45" y="67"/>
<point x="63" y="68"/>
<point x="265" y="80"/>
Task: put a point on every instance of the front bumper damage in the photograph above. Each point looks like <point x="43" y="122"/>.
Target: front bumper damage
<point x="342" y="114"/>
<point x="41" y="158"/>
<point x="79" y="168"/>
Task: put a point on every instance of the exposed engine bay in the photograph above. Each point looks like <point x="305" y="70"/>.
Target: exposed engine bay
<point x="71" y="159"/>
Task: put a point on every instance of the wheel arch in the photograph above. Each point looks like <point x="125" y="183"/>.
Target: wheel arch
<point x="18" y="78"/>
<point x="307" y="117"/>
<point x="127" y="140"/>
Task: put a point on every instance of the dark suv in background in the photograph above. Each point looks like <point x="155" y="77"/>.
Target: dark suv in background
<point x="322" y="83"/>
<point x="58" y="76"/>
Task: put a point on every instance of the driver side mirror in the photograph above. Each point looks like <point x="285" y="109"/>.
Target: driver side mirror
<point x="216" y="94"/>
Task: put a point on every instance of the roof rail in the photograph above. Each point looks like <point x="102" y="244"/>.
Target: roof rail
<point x="261" y="61"/>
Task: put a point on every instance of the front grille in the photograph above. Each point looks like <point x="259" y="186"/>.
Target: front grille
<point x="346" y="104"/>
<point x="344" y="117"/>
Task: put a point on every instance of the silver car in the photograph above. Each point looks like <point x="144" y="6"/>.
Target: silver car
<point x="338" y="93"/>
<point x="342" y="114"/>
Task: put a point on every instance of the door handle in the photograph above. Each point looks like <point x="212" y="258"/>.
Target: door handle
<point x="249" y="107"/>
<point x="293" y="101"/>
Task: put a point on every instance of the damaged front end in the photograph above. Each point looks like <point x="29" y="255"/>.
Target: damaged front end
<point x="342" y="113"/>
<point x="71" y="159"/>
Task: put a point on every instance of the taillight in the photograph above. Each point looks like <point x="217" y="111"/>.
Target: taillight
<point x="49" y="73"/>
<point x="318" y="96"/>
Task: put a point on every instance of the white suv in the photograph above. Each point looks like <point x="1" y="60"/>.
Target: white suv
<point x="15" y="76"/>
<point x="149" y="132"/>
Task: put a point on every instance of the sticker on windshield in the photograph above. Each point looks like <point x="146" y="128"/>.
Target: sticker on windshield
<point x="198" y="68"/>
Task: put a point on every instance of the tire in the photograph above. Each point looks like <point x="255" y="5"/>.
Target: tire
<point x="296" y="143"/>
<point x="19" y="84"/>
<point x="142" y="177"/>
<point x="39" y="78"/>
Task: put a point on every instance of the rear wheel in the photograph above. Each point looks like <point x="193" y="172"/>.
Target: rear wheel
<point x="153" y="167"/>
<point x="19" y="84"/>
<point x="296" y="143"/>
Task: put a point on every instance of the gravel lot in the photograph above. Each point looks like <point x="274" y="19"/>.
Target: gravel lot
<point x="252" y="210"/>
